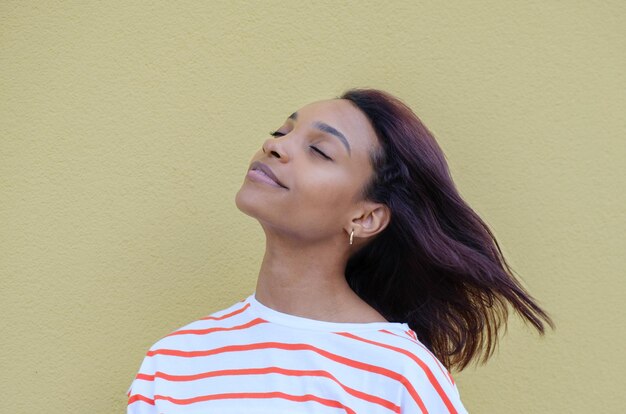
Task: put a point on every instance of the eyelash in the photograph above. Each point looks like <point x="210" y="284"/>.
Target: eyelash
<point x="280" y="134"/>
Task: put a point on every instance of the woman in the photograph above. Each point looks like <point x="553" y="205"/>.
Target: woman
<point x="377" y="279"/>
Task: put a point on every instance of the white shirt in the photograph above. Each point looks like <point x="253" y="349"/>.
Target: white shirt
<point x="252" y="359"/>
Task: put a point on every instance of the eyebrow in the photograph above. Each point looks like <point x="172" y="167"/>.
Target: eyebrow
<point x="328" y="129"/>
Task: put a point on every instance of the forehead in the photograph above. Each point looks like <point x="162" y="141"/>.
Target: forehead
<point x="344" y="116"/>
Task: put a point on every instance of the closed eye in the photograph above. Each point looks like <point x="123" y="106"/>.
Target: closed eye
<point x="320" y="152"/>
<point x="280" y="134"/>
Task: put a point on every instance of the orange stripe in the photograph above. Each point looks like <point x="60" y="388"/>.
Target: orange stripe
<point x="228" y="315"/>
<point x="296" y="398"/>
<point x="297" y="347"/>
<point x="422" y="364"/>
<point x="441" y="368"/>
<point x="219" y="329"/>
<point x="275" y="370"/>
<point x="139" y="397"/>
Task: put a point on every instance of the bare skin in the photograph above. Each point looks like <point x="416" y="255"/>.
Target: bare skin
<point x="307" y="224"/>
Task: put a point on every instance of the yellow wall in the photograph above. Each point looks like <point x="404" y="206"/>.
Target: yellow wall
<point x="126" y="129"/>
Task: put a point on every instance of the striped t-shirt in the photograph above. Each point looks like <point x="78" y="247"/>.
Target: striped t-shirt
<point x="252" y="359"/>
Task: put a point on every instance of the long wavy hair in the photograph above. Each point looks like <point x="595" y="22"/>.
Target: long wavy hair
<point x="436" y="266"/>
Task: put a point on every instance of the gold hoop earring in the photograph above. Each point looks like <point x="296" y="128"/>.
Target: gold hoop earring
<point x="351" y="236"/>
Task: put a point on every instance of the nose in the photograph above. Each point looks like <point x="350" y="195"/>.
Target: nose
<point x="276" y="148"/>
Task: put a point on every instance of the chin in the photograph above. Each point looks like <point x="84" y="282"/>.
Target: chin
<point x="260" y="208"/>
<point x="247" y="203"/>
<point x="240" y="201"/>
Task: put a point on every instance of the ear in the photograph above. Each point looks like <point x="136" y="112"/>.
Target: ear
<point x="373" y="219"/>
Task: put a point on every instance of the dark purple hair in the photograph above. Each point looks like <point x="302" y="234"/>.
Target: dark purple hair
<point x="436" y="266"/>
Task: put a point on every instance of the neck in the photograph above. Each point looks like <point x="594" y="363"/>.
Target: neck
<point x="308" y="280"/>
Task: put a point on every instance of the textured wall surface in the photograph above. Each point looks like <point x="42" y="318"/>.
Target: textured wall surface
<point x="126" y="129"/>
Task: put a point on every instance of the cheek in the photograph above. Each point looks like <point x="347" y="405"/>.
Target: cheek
<point x="325" y="194"/>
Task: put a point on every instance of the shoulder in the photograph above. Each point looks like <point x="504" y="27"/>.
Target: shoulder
<point x="429" y="386"/>
<point x="186" y="342"/>
<point x="404" y="350"/>
<point x="233" y="318"/>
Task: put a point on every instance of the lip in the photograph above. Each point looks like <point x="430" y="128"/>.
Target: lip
<point x="258" y="165"/>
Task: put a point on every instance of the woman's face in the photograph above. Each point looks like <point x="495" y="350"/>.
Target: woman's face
<point x="321" y="156"/>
